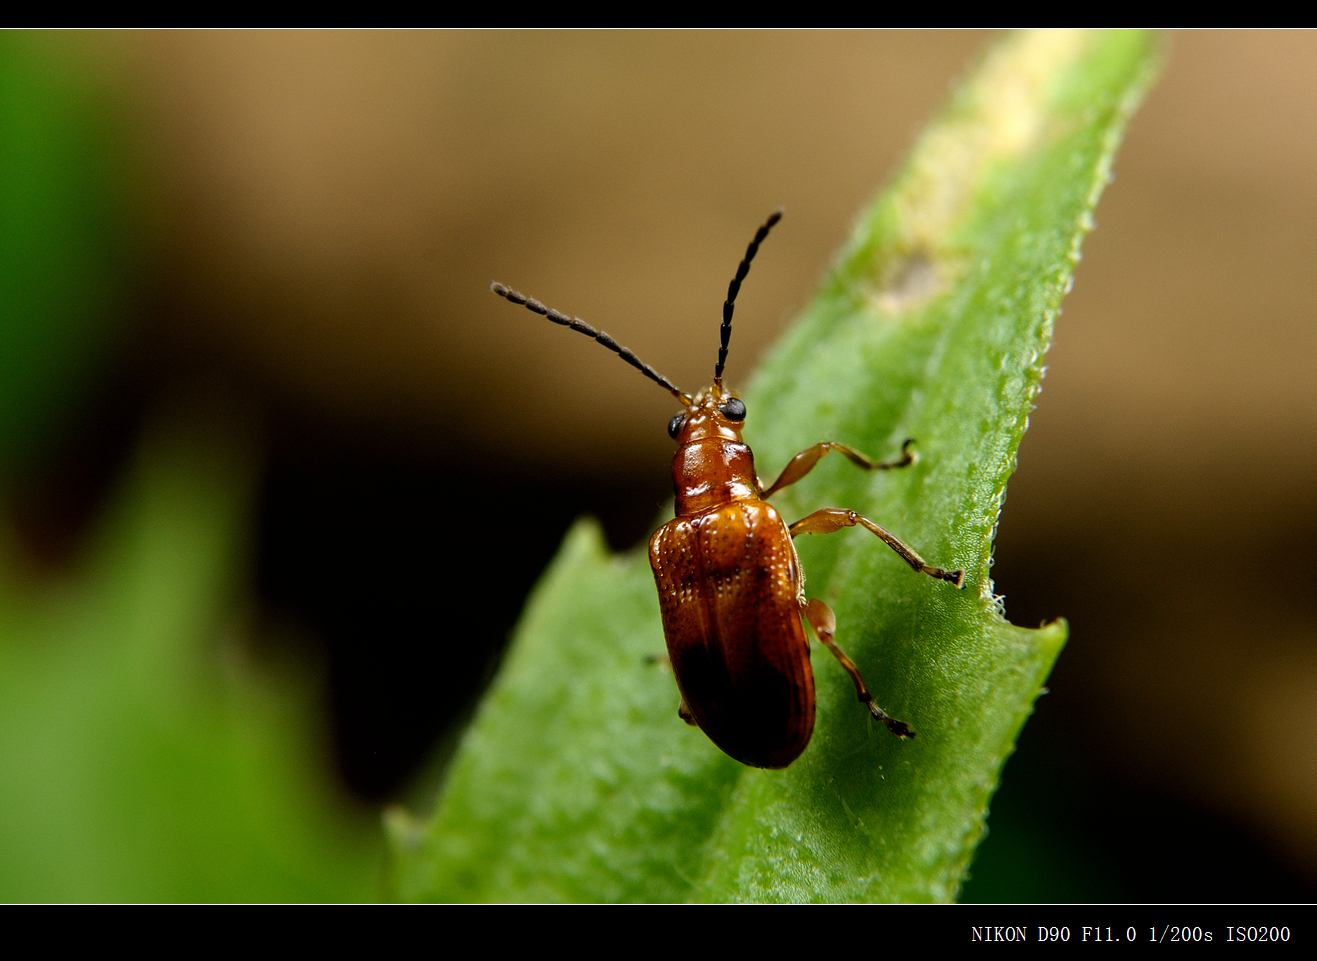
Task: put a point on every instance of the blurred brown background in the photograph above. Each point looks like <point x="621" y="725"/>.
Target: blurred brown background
<point x="324" y="212"/>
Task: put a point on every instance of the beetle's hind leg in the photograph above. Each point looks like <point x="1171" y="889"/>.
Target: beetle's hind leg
<point x="829" y="520"/>
<point x="824" y="622"/>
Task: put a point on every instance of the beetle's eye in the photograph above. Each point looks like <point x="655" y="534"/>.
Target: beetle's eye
<point x="674" y="425"/>
<point x="733" y="409"/>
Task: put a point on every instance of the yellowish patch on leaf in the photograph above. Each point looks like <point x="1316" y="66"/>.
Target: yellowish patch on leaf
<point x="1000" y="116"/>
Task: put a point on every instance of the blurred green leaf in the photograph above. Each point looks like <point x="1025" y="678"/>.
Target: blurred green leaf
<point x="142" y="758"/>
<point x="578" y="782"/>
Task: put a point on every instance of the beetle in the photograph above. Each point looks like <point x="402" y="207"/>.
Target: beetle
<point x="730" y="585"/>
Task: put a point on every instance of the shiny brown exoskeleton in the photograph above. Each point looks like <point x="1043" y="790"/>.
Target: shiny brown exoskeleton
<point x="730" y="584"/>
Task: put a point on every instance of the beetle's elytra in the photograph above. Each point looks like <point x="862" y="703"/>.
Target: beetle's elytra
<point x="730" y="584"/>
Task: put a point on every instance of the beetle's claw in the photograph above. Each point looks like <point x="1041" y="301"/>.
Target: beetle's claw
<point x="899" y="728"/>
<point x="954" y="578"/>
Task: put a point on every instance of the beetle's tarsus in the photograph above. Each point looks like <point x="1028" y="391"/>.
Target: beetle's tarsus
<point x="954" y="578"/>
<point x="899" y="728"/>
<point x="907" y="457"/>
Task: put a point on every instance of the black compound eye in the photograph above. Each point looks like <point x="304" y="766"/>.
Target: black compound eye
<point x="733" y="409"/>
<point x="674" y="425"/>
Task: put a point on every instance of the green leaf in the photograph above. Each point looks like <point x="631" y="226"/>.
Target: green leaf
<point x="577" y="781"/>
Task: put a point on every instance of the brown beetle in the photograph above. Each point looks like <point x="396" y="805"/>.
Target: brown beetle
<point x="730" y="585"/>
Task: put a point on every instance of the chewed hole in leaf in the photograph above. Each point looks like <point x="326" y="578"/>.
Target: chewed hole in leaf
<point x="912" y="282"/>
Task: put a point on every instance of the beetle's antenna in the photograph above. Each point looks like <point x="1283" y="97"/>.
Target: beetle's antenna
<point x="734" y="288"/>
<point x="575" y="323"/>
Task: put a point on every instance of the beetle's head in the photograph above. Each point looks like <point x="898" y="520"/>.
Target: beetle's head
<point x="712" y="413"/>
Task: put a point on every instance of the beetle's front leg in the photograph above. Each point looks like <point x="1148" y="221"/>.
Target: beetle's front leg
<point x="804" y="462"/>
<point x="829" y="520"/>
<point x="824" y="622"/>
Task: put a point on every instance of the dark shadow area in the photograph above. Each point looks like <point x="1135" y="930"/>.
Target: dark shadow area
<point x="57" y="492"/>
<point x="412" y="571"/>
<point x="1133" y="779"/>
<point x="1065" y="830"/>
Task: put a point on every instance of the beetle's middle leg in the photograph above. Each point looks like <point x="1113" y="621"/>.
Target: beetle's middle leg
<point x="829" y="520"/>
<point x="804" y="462"/>
<point x="824" y="622"/>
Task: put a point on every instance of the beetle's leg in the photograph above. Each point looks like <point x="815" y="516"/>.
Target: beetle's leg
<point x="683" y="711"/>
<point x="824" y="622"/>
<point x="829" y="520"/>
<point x="804" y="462"/>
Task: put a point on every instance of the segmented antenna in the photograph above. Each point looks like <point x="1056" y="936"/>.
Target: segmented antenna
<point x="734" y="288"/>
<point x="575" y="323"/>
